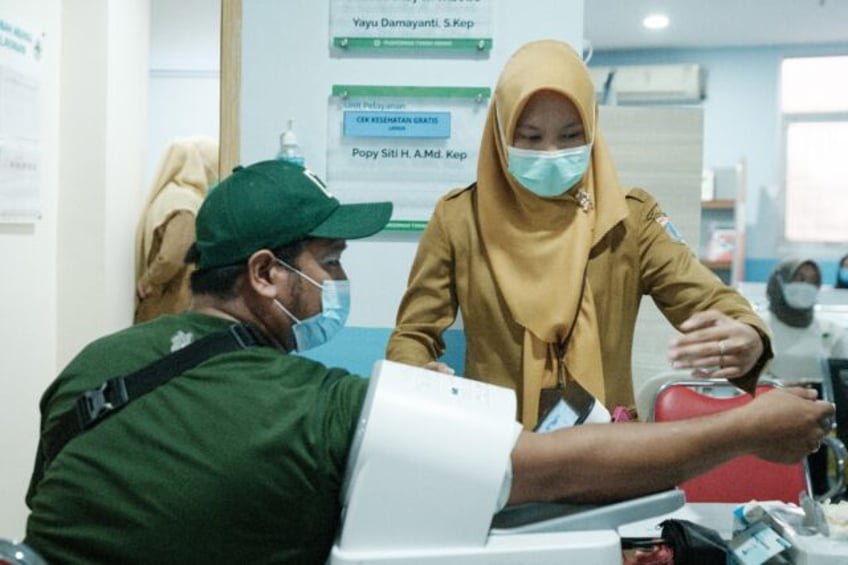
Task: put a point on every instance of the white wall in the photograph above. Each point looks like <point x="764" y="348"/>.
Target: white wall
<point x="28" y="286"/>
<point x="185" y="35"/>
<point x="103" y="134"/>
<point x="68" y="277"/>
<point x="182" y="102"/>
<point x="184" y="74"/>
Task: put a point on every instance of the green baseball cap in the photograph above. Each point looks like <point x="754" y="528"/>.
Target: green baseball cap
<point x="271" y="204"/>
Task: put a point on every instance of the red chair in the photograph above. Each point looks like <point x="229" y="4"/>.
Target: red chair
<point x="741" y="479"/>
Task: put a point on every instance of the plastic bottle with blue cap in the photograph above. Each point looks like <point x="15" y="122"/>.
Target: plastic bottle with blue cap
<point x="289" y="149"/>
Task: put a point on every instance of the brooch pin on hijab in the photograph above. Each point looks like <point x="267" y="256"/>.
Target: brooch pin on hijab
<point x="584" y="200"/>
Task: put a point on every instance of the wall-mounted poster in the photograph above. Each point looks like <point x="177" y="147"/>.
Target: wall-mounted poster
<point x="20" y="144"/>
<point x="408" y="145"/>
<point x="411" y="24"/>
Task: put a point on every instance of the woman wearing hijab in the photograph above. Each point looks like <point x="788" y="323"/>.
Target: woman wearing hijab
<point x="166" y="228"/>
<point x="842" y="273"/>
<point x="800" y="339"/>
<point x="547" y="257"/>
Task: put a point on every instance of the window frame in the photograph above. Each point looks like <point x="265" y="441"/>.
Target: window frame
<point x="786" y="120"/>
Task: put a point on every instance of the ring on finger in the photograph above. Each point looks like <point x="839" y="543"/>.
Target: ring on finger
<point x="721" y="349"/>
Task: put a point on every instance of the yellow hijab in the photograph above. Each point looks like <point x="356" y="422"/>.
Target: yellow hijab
<point x="188" y="167"/>
<point x="539" y="247"/>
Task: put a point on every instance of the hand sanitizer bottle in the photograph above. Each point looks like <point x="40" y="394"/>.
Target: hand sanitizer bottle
<point x="289" y="149"/>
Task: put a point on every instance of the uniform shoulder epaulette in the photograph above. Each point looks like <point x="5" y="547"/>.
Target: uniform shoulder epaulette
<point x="457" y="191"/>
<point x="639" y="194"/>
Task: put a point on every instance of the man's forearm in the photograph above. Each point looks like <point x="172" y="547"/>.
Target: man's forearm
<point x="605" y="462"/>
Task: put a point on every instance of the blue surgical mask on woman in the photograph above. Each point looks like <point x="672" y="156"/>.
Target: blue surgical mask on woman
<point x="549" y="173"/>
<point x="323" y="326"/>
<point x="800" y="295"/>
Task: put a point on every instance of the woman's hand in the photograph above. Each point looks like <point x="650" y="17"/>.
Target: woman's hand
<point x="143" y="290"/>
<point x="440" y="367"/>
<point x="715" y="345"/>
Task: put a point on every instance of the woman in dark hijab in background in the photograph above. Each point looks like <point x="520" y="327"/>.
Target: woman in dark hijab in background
<point x="801" y="340"/>
<point x="842" y="273"/>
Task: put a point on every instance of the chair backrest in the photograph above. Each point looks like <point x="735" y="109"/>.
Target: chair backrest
<point x="646" y="393"/>
<point x="741" y="479"/>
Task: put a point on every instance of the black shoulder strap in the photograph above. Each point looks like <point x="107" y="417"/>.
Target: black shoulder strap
<point x="96" y="404"/>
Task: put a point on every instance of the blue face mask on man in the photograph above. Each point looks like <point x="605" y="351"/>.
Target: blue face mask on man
<point x="843" y="275"/>
<point x="549" y="173"/>
<point x="323" y="326"/>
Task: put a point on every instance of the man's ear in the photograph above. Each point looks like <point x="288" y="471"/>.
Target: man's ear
<point x="261" y="273"/>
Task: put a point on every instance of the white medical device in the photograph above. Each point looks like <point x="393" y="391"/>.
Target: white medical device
<point x="425" y="472"/>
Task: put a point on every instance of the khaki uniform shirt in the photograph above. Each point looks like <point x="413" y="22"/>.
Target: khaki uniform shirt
<point x="640" y="256"/>
<point x="167" y="274"/>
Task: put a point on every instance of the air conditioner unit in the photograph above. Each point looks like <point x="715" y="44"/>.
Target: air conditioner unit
<point x="658" y="83"/>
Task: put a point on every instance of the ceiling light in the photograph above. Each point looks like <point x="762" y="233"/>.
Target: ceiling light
<point x="655" y="21"/>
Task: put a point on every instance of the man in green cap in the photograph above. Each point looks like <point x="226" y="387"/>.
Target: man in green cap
<point x="241" y="457"/>
<point x="198" y="438"/>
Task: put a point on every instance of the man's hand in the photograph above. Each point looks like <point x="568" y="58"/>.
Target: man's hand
<point x="787" y="424"/>
<point x="715" y="345"/>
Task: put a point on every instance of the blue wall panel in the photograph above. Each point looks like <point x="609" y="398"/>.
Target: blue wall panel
<point x="356" y="349"/>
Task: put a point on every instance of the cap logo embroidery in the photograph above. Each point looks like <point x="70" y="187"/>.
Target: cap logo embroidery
<point x="318" y="182"/>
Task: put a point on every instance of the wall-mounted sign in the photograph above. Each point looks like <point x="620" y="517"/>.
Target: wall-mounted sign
<point x="409" y="145"/>
<point x="20" y="135"/>
<point x="396" y="124"/>
<point x="411" y="24"/>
